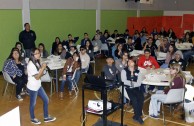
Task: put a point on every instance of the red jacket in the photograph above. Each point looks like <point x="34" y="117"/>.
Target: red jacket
<point x="143" y="62"/>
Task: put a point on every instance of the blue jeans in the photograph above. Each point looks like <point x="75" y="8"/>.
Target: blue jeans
<point x="77" y="76"/>
<point x="187" y="55"/>
<point x="33" y="97"/>
<point x="68" y="78"/>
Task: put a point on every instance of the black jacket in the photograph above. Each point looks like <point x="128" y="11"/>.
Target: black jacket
<point x="27" y="39"/>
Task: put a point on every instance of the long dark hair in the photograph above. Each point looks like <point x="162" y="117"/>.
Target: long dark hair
<point x="134" y="59"/>
<point x="11" y="54"/>
<point x="90" y="46"/>
<point x="36" y="62"/>
<point x="19" y="43"/>
<point x="79" y="60"/>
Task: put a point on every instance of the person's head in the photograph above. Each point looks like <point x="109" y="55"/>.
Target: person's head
<point x="106" y="34"/>
<point x="15" y="54"/>
<point x="57" y="39"/>
<point x="176" y="70"/>
<point x="126" y="31"/>
<point x="150" y="40"/>
<point x="178" y="55"/>
<point x="27" y="26"/>
<point x="125" y="56"/>
<point x="170" y="30"/>
<point x="147" y="53"/>
<point x="180" y="40"/>
<point x="154" y="30"/>
<point x="187" y="35"/>
<point x="120" y="46"/>
<point x="88" y="43"/>
<point x="97" y="31"/>
<point x="132" y="62"/>
<point x="82" y="50"/>
<point x="60" y="47"/>
<point x="144" y="29"/>
<point x="86" y="36"/>
<point x="110" y="60"/>
<point x="129" y="40"/>
<point x="76" y="56"/>
<point x="165" y="40"/>
<point x="156" y="36"/>
<point x="115" y="31"/>
<point x="41" y="47"/>
<point x="162" y="29"/>
<point x="35" y="55"/>
<point x="19" y="46"/>
<point x="71" y="43"/>
<point x="172" y="48"/>
<point x="70" y="36"/>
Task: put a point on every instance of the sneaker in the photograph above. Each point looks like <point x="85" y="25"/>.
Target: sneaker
<point x="35" y="121"/>
<point x="19" y="98"/>
<point x="154" y="117"/>
<point x="138" y="120"/>
<point x="49" y="119"/>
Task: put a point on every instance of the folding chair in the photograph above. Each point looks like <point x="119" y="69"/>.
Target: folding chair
<point x="8" y="80"/>
<point x="174" y="96"/>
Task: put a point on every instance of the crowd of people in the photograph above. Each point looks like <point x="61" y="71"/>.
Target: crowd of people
<point x="120" y="65"/>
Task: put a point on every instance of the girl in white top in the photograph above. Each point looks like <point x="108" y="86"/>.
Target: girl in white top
<point x="35" y="71"/>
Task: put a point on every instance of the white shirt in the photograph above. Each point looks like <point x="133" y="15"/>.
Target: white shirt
<point x="32" y="84"/>
<point x="85" y="60"/>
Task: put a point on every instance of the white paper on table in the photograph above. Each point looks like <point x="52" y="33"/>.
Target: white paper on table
<point x="11" y="118"/>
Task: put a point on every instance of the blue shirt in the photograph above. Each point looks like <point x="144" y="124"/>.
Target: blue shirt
<point x="11" y="68"/>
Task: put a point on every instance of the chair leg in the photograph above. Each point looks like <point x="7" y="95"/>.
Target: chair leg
<point x="5" y="90"/>
<point x="51" y="88"/>
<point x="163" y="115"/>
<point x="11" y="93"/>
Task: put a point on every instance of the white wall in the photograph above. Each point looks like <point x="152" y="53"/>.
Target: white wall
<point x="168" y="5"/>
<point x="177" y="13"/>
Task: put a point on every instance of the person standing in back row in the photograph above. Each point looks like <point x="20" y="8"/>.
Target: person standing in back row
<point x="27" y="37"/>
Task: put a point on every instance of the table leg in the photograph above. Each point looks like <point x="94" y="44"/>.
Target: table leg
<point x="104" y="116"/>
<point x="56" y="73"/>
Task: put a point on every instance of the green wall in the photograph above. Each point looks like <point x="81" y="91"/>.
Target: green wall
<point x="10" y="26"/>
<point x="148" y="13"/>
<point x="112" y="19"/>
<point x="49" y="24"/>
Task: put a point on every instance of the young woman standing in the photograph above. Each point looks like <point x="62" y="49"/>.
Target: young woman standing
<point x="35" y="71"/>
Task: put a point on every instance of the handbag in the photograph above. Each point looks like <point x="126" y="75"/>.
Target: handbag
<point x="46" y="77"/>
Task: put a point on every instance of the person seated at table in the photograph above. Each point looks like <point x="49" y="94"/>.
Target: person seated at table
<point x="169" y="56"/>
<point x="73" y="49"/>
<point x="187" y="38"/>
<point x="109" y="70"/>
<point x="21" y="50"/>
<point x="144" y="31"/>
<point x="129" y="46"/>
<point x="71" y="65"/>
<point x="16" y="70"/>
<point x="85" y="39"/>
<point x="188" y="54"/>
<point x="177" y="81"/>
<point x="164" y="45"/>
<point x="61" y="51"/>
<point x="126" y="34"/>
<point x="122" y="62"/>
<point x="137" y="43"/>
<point x="43" y="52"/>
<point x="154" y="32"/>
<point x="150" y="45"/>
<point x="90" y="49"/>
<point x="55" y="45"/>
<point x="119" y="51"/>
<point x="115" y="34"/>
<point x="97" y="43"/>
<point x="178" y="59"/>
<point x="163" y="32"/>
<point x="85" y="59"/>
<point x="147" y="62"/>
<point x="130" y="76"/>
<point x="171" y="34"/>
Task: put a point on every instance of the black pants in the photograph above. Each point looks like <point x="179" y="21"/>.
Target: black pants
<point x="20" y="83"/>
<point x="137" y="100"/>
